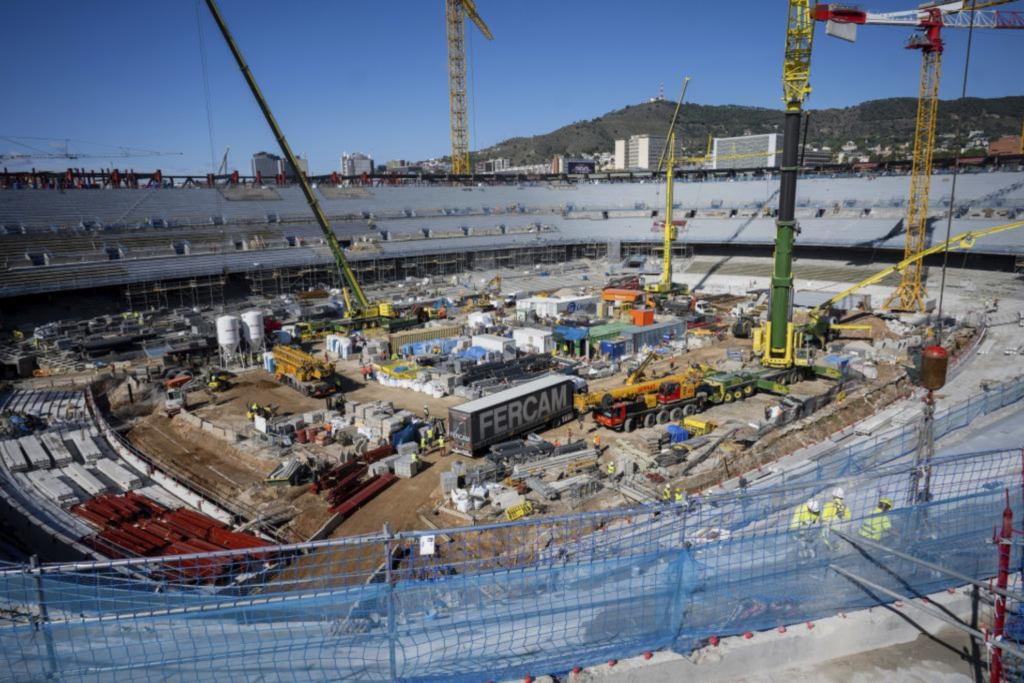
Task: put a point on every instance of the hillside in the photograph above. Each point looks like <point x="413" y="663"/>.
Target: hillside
<point x="884" y="122"/>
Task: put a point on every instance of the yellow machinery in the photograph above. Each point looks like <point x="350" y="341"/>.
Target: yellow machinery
<point x="299" y="364"/>
<point x="361" y="309"/>
<point x="670" y="232"/>
<point x="585" y="402"/>
<point x="638" y="373"/>
<point x="818" y="324"/>
<point x="456" y="12"/>
<point x="929" y="19"/>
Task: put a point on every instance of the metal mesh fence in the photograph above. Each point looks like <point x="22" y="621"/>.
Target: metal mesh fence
<point x="532" y="597"/>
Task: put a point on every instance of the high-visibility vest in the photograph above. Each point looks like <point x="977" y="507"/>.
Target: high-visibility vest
<point x="611" y="468"/>
<point x="679" y="496"/>
<point x="836" y="511"/>
<point x="875" y="526"/>
<point x="804" y="518"/>
<point x="666" y="494"/>
<point x="440" y="441"/>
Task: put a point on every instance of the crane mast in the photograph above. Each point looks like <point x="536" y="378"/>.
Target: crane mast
<point x="456" y="12"/>
<point x="775" y="339"/>
<point x="365" y="309"/>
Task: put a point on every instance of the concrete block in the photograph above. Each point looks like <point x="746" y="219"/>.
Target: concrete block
<point x="507" y="499"/>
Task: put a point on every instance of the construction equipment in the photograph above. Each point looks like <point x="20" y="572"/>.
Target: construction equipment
<point x="673" y="401"/>
<point x="456" y="12"/>
<point x="589" y="401"/>
<point x="929" y="19"/>
<point x="257" y="410"/>
<point x="819" y="325"/>
<point x="669" y="231"/>
<point x="777" y="331"/>
<point x="112" y="151"/>
<point x="698" y="426"/>
<point x="361" y="310"/>
<point x="638" y="373"/>
<point x="304" y="373"/>
<point x="224" y="162"/>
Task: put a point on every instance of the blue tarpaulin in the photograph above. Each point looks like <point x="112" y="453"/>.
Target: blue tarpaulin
<point x="571" y="333"/>
<point x="474" y="353"/>
<point x="677" y="434"/>
<point x="407" y="434"/>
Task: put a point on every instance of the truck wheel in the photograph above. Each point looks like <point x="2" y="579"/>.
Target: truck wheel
<point x="650" y="420"/>
<point x="728" y="397"/>
<point x="749" y="390"/>
<point x="677" y="414"/>
<point x="689" y="409"/>
<point x="794" y="377"/>
<point x="663" y="417"/>
<point x="628" y="426"/>
<point x="738" y="395"/>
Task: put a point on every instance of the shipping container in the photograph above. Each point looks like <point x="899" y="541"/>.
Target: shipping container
<point x="400" y="339"/>
<point x="535" y="405"/>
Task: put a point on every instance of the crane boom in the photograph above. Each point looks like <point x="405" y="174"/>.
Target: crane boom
<point x="964" y="240"/>
<point x="307" y="191"/>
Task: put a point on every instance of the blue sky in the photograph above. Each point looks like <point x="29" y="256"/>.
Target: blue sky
<point x="372" y="76"/>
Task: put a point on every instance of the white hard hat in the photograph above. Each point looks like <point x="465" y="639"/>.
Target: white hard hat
<point x="838" y="492"/>
<point x="814" y="506"/>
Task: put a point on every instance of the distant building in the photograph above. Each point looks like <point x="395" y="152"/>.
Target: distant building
<point x="266" y="165"/>
<point x="1008" y="144"/>
<point x="817" y="157"/>
<point x="397" y="163"/>
<point x="621" y="151"/>
<point x="356" y="164"/>
<point x="269" y="166"/>
<point x="641" y="152"/>
<point x="747" y="151"/>
<point x="493" y="166"/>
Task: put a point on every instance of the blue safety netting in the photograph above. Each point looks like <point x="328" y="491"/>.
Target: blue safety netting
<point x="527" y="598"/>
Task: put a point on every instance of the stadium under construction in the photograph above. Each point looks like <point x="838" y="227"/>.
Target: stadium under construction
<point x="738" y="424"/>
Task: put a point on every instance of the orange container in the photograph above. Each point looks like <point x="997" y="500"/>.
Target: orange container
<point x="642" y="316"/>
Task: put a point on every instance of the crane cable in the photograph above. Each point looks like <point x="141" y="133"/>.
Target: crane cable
<point x="206" y="89"/>
<point x="952" y="191"/>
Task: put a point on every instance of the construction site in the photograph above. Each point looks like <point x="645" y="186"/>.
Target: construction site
<point x="734" y="426"/>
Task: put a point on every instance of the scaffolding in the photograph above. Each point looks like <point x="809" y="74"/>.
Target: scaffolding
<point x="275" y="282"/>
<point x="191" y="292"/>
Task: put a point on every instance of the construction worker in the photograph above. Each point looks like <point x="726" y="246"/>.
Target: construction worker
<point x="423" y="443"/>
<point x="680" y="497"/>
<point x="597" y="444"/>
<point x="806" y="516"/>
<point x="610" y="468"/>
<point x="440" y="445"/>
<point x="878" y="525"/>
<point x="413" y="457"/>
<point x="666" y="495"/>
<point x="835" y="511"/>
<point x="426" y="412"/>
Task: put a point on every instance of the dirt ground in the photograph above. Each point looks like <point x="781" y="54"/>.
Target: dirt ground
<point x="232" y="476"/>
<point x="252" y="386"/>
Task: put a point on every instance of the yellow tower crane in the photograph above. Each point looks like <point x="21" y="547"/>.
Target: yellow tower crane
<point x="456" y="12"/>
<point x="929" y="19"/>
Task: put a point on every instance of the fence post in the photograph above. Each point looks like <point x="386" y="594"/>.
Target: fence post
<point x="999" y="623"/>
<point x="42" y="616"/>
<point x="389" y="578"/>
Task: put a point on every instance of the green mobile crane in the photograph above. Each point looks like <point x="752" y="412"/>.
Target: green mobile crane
<point x="360" y="308"/>
<point x="774" y="340"/>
